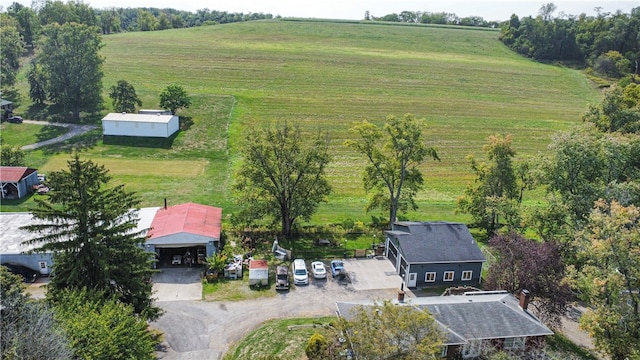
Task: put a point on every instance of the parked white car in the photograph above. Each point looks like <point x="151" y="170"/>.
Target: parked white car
<point x="177" y="260"/>
<point x="300" y="273"/>
<point x="318" y="270"/>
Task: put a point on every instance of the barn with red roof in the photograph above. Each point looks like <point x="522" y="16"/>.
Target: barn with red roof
<point x="16" y="181"/>
<point x="186" y="230"/>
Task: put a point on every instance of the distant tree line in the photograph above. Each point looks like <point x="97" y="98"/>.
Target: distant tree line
<point x="440" y="18"/>
<point x="609" y="43"/>
<point x="113" y="20"/>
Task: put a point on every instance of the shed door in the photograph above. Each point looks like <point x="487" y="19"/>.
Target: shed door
<point x="413" y="277"/>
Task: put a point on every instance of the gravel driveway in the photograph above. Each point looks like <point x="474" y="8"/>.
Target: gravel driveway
<point x="206" y="330"/>
<point x="74" y="130"/>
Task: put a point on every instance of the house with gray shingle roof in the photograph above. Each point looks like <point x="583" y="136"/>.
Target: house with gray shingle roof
<point x="475" y="321"/>
<point x="434" y="254"/>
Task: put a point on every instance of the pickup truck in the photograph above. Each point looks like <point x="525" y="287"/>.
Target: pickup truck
<point x="282" y="278"/>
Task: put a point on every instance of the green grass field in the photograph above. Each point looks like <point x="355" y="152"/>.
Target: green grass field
<point x="323" y="76"/>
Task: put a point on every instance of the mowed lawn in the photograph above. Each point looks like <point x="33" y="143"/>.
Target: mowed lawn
<point x="324" y="76"/>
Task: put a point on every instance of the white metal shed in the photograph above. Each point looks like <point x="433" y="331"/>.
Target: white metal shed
<point x="143" y="125"/>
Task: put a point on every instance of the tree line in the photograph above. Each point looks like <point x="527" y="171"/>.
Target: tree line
<point x="439" y="18"/>
<point x="608" y="42"/>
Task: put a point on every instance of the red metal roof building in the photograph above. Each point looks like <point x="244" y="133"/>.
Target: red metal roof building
<point x="15" y="181"/>
<point x="184" y="226"/>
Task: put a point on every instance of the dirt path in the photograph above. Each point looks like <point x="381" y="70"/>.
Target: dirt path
<point x="74" y="130"/>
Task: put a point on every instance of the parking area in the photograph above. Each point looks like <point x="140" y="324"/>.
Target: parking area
<point x="176" y="284"/>
<point x="372" y="274"/>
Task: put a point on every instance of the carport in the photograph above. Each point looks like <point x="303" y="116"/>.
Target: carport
<point x="182" y="229"/>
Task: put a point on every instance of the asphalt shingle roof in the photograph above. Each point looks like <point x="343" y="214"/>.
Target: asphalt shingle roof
<point x="436" y="242"/>
<point x="478" y="316"/>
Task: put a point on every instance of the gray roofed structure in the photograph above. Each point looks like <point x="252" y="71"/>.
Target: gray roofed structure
<point x="484" y="317"/>
<point x="473" y="316"/>
<point x="436" y="242"/>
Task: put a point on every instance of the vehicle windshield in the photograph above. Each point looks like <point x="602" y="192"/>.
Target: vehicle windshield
<point x="301" y="272"/>
<point x="337" y="264"/>
<point x="282" y="276"/>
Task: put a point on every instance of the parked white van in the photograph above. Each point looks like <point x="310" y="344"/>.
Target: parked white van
<point x="300" y="273"/>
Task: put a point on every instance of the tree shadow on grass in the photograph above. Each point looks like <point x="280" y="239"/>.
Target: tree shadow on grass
<point x="139" y="141"/>
<point x="185" y="122"/>
<point x="49" y="132"/>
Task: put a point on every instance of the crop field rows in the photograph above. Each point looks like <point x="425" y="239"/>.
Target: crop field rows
<point x="324" y="76"/>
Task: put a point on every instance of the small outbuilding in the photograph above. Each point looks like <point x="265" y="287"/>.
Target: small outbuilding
<point x="258" y="272"/>
<point x="154" y="124"/>
<point x="16" y="181"/>
<point x="434" y="254"/>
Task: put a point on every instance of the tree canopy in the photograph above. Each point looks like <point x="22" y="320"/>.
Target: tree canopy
<point x="91" y="229"/>
<point x="28" y="327"/>
<point x="283" y="174"/>
<point x="71" y="63"/>
<point x="534" y="266"/>
<point x="581" y="39"/>
<point x="497" y="189"/>
<point x="393" y="153"/>
<point x="610" y="280"/>
<point x="388" y="331"/>
<point x="124" y="98"/>
<point x="101" y="327"/>
<point x="174" y="97"/>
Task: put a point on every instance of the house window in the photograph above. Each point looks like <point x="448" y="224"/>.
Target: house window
<point x="42" y="264"/>
<point x="516" y="343"/>
<point x="430" y="277"/>
<point x="448" y="275"/>
<point x="466" y="275"/>
<point x="472" y="349"/>
<point x="443" y="353"/>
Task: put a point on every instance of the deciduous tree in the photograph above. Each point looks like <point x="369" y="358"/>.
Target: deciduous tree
<point x="10" y="52"/>
<point x="11" y="155"/>
<point x="534" y="266"/>
<point x="583" y="165"/>
<point x="393" y="153"/>
<point x="124" y="98"/>
<point x="619" y="110"/>
<point x="388" y="331"/>
<point x="173" y="98"/>
<point x="497" y="189"/>
<point x="70" y="59"/>
<point x="91" y="229"/>
<point x="283" y="174"/>
<point x="611" y="279"/>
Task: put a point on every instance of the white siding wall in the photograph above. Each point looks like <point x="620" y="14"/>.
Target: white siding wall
<point x="133" y="128"/>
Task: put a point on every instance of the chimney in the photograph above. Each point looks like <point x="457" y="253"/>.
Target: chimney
<point x="524" y="299"/>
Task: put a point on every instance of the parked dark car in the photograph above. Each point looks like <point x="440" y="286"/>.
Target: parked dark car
<point x="15" y="119"/>
<point x="28" y="275"/>
<point x="282" y="278"/>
